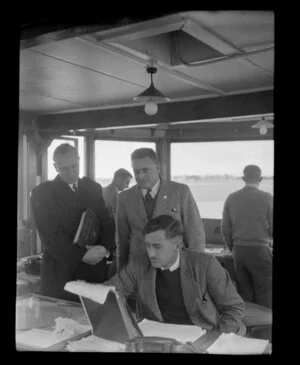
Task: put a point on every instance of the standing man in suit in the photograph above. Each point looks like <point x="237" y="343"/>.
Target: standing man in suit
<point x="150" y="197"/>
<point x="120" y="182"/>
<point x="176" y="285"/>
<point x="57" y="207"/>
<point x="247" y="228"/>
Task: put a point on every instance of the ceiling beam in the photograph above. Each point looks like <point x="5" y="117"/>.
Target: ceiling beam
<point x="144" y="29"/>
<point x="217" y="42"/>
<point x="64" y="27"/>
<point x="137" y="57"/>
<point x="211" y="108"/>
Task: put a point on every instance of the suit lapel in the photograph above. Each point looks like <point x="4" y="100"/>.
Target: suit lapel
<point x="137" y="203"/>
<point x="162" y="198"/>
<point x="150" y="293"/>
<point x="64" y="193"/>
<point x="189" y="284"/>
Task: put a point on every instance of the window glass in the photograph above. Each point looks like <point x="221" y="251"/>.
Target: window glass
<point x="113" y="155"/>
<point x="213" y="170"/>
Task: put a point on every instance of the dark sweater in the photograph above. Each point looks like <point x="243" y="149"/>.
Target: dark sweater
<point x="169" y="297"/>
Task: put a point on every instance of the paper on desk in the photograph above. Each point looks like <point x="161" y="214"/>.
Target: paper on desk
<point x="229" y="343"/>
<point x="180" y="332"/>
<point x="95" y="344"/>
<point x="95" y="292"/>
<point x="214" y="250"/>
<point x="42" y="339"/>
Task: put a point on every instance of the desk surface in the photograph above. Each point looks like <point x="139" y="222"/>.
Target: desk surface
<point x="37" y="311"/>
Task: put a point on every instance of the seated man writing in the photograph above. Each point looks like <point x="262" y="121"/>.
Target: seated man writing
<point x="175" y="285"/>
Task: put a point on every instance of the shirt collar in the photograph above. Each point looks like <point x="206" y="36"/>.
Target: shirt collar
<point x="71" y="185"/>
<point x="174" y="266"/>
<point x="154" y="189"/>
<point x="252" y="185"/>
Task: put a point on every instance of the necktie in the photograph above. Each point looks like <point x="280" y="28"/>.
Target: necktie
<point x="75" y="187"/>
<point x="148" y="197"/>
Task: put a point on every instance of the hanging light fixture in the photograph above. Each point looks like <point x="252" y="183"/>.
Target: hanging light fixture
<point x="263" y="126"/>
<point x="151" y="96"/>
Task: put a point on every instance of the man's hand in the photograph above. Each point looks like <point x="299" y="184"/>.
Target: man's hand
<point x="94" y="254"/>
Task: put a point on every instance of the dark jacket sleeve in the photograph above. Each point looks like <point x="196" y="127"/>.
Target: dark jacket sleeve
<point x="225" y="297"/>
<point x="51" y="232"/>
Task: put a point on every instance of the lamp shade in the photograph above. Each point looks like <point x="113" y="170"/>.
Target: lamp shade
<point x="151" y="94"/>
<point x="263" y="126"/>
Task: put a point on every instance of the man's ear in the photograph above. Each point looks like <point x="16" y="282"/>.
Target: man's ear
<point x="178" y="243"/>
<point x="260" y="179"/>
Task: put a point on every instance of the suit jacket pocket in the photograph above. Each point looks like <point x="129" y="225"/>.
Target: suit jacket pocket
<point x="205" y="309"/>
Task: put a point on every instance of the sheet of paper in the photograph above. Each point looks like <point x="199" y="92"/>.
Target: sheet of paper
<point x="42" y="339"/>
<point x="232" y="344"/>
<point x="214" y="250"/>
<point x="95" y="292"/>
<point x="95" y="344"/>
<point x="179" y="332"/>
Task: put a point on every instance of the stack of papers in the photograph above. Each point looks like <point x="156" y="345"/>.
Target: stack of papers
<point x="181" y="333"/>
<point x="96" y="292"/>
<point x="231" y="344"/>
<point x="95" y="344"/>
<point x="43" y="339"/>
<point x="214" y="250"/>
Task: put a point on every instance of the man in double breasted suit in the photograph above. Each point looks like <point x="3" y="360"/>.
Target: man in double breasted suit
<point x="57" y="207"/>
<point x="150" y="197"/>
<point x="175" y="285"/>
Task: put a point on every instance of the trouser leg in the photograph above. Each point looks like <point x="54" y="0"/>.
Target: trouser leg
<point x="261" y="271"/>
<point x="242" y="275"/>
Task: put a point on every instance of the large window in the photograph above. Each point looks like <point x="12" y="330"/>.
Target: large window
<point x="113" y="155"/>
<point x="214" y="169"/>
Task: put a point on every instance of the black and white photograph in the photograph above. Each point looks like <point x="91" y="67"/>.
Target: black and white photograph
<point x="146" y="183"/>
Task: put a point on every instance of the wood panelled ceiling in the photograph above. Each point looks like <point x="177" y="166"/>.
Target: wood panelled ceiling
<point x="100" y="70"/>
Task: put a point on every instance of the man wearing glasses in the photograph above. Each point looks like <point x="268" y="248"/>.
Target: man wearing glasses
<point x="57" y="207"/>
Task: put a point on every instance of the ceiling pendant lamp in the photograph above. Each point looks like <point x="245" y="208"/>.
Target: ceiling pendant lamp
<point x="151" y="96"/>
<point x="263" y="126"/>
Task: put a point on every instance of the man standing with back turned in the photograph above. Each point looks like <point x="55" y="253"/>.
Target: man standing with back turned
<point x="247" y="228"/>
<point x="57" y="207"/>
<point x="120" y="182"/>
<point x="150" y="197"/>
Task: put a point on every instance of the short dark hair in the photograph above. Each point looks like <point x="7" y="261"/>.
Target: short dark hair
<point x="171" y="226"/>
<point x="122" y="173"/>
<point x="144" y="152"/>
<point x="252" y="172"/>
<point x="62" y="149"/>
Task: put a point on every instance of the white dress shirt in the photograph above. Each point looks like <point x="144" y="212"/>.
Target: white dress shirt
<point x="71" y="186"/>
<point x="153" y="191"/>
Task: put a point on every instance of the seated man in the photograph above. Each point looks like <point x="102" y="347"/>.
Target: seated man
<point x="176" y="285"/>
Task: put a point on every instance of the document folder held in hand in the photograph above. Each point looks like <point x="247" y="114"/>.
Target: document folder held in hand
<point x="88" y="230"/>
